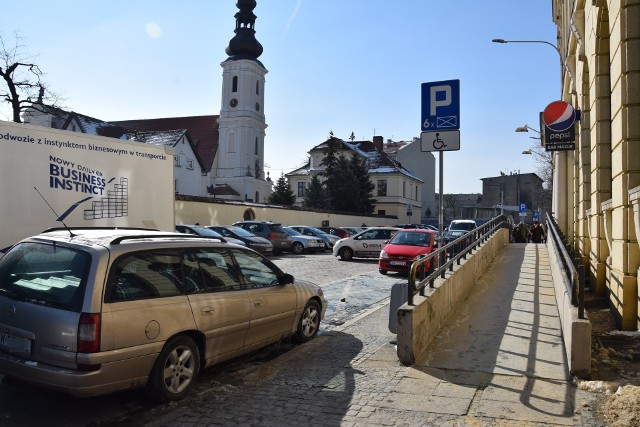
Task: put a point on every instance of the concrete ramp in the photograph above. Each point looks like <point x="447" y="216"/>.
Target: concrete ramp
<point x="508" y="324"/>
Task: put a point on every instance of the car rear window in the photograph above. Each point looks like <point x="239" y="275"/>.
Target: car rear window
<point x="45" y="274"/>
<point x="277" y="228"/>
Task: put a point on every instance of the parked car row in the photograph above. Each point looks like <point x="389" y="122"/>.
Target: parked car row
<point x="269" y="237"/>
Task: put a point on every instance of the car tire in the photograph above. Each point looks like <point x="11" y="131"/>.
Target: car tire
<point x="383" y="271"/>
<point x="297" y="248"/>
<point x="175" y="371"/>
<point x="346" y="254"/>
<point x="309" y="322"/>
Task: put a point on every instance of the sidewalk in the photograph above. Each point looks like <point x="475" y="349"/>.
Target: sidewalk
<point x="499" y="361"/>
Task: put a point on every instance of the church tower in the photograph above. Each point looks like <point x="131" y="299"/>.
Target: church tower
<point x="240" y="157"/>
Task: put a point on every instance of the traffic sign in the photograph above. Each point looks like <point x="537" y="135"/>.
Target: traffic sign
<point x="440" y="141"/>
<point x="523" y="207"/>
<point x="441" y="105"/>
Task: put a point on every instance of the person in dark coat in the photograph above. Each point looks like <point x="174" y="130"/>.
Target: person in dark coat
<point x="537" y="233"/>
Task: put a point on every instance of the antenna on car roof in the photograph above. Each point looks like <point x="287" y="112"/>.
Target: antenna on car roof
<point x="52" y="210"/>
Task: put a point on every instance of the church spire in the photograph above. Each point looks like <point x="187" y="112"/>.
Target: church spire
<point x="244" y="44"/>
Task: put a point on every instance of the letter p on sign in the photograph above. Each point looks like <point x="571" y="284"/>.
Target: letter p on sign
<point x="440" y="109"/>
<point x="434" y="102"/>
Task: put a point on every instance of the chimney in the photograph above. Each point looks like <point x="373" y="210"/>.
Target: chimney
<point x="378" y="142"/>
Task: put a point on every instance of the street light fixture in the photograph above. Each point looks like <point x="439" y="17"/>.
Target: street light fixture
<point x="527" y="128"/>
<point x="527" y="151"/>
<point x="503" y="41"/>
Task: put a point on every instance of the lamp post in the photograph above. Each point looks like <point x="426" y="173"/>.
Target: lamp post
<point x="503" y="41"/>
<point x="559" y="203"/>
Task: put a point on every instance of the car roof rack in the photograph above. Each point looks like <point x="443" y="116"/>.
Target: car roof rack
<point x="120" y="239"/>
<point x="99" y="228"/>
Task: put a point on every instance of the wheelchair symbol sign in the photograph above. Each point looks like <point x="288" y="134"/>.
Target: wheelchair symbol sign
<point x="440" y="141"/>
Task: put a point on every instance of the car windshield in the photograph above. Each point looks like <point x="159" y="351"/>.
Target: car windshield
<point x="316" y="230"/>
<point x="45" y="274"/>
<point x="291" y="231"/>
<point x="466" y="226"/>
<point x="411" y="238"/>
<point x="241" y="232"/>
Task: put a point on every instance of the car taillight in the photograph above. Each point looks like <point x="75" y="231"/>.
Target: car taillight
<point x="272" y="236"/>
<point x="89" y="333"/>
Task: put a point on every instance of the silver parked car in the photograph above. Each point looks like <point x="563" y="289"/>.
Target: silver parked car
<point x="93" y="311"/>
<point x="302" y="243"/>
<point x="328" y="239"/>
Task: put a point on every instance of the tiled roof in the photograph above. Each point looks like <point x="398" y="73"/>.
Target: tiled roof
<point x="221" y="190"/>
<point x="167" y="138"/>
<point x="203" y="131"/>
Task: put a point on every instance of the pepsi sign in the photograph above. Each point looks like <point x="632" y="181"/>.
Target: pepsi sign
<point x="559" y="131"/>
<point x="559" y="116"/>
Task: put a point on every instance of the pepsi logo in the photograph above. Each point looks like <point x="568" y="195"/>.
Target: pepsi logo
<point x="559" y="116"/>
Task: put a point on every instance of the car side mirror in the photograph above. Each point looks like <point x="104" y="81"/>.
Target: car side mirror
<point x="285" y="279"/>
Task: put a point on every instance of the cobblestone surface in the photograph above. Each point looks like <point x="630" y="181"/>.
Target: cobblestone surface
<point x="350" y="376"/>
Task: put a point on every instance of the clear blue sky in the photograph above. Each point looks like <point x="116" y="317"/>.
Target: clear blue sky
<point x="334" y="65"/>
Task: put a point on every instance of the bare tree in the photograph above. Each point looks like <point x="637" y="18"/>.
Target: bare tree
<point x="23" y="86"/>
<point x="544" y="168"/>
<point x="452" y="205"/>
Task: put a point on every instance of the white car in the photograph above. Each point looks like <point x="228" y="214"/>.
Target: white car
<point x="366" y="244"/>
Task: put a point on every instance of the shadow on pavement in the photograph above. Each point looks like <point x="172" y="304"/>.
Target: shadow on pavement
<point x="505" y="340"/>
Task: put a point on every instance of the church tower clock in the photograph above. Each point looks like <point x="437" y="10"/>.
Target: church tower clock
<point x="241" y="126"/>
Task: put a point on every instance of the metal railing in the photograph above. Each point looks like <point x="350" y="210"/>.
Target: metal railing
<point x="425" y="271"/>
<point x="573" y="269"/>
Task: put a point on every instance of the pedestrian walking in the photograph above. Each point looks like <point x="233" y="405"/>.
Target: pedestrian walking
<point x="537" y="233"/>
<point x="522" y="233"/>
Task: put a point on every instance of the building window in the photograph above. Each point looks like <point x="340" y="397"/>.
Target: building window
<point x="382" y="212"/>
<point x="416" y="193"/>
<point x="258" y="87"/>
<point x="382" y="187"/>
<point x="301" y="187"/>
<point x="189" y="164"/>
<point x="234" y="84"/>
<point x="175" y="185"/>
<point x="176" y="161"/>
<point x="404" y="189"/>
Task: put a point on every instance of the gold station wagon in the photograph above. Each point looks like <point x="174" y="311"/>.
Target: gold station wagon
<point x="93" y="311"/>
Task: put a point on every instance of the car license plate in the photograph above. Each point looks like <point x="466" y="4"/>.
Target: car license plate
<point x="14" y="344"/>
<point x="402" y="263"/>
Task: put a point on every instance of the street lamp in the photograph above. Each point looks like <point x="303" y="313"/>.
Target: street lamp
<point x="527" y="128"/>
<point x="503" y="41"/>
<point x="527" y="151"/>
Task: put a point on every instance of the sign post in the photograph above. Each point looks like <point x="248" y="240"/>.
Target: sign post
<point x="440" y="127"/>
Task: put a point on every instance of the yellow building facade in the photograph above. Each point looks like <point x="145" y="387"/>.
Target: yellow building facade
<point x="596" y="198"/>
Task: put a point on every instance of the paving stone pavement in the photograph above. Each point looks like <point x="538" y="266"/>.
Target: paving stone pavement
<point x="351" y="376"/>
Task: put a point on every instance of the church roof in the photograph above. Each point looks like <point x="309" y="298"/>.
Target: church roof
<point x="203" y="131"/>
<point x="222" y="190"/>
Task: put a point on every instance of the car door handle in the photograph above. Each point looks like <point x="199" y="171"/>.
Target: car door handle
<point x="206" y="311"/>
<point x="258" y="303"/>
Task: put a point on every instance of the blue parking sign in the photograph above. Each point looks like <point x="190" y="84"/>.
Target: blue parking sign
<point x="523" y="207"/>
<point x="441" y="105"/>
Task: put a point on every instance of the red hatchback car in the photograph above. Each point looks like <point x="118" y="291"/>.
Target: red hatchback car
<point x="405" y="247"/>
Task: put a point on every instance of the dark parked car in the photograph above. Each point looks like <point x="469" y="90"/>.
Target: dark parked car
<point x="336" y="231"/>
<point x="269" y="230"/>
<point x="199" y="230"/>
<point x="257" y="243"/>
